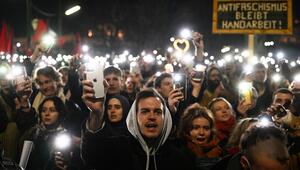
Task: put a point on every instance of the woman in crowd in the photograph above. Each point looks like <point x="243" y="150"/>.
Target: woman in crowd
<point x="52" y="114"/>
<point x="200" y="142"/>
<point x="233" y="145"/>
<point x="48" y="80"/>
<point x="117" y="108"/>
<point x="224" y="117"/>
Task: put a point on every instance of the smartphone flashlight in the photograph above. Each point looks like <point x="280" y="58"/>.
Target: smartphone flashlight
<point x="62" y="141"/>
<point x="48" y="40"/>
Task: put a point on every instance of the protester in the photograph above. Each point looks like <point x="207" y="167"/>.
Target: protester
<point x="264" y="148"/>
<point x="233" y="145"/>
<point x="48" y="81"/>
<point x="261" y="84"/>
<point x="284" y="115"/>
<point x="149" y="123"/>
<point x="214" y="86"/>
<point x="52" y="114"/>
<point x="224" y="117"/>
<point x="164" y="84"/>
<point x="113" y="76"/>
<point x="200" y="141"/>
<point x="131" y="89"/>
<point x="15" y="112"/>
<point x="116" y="111"/>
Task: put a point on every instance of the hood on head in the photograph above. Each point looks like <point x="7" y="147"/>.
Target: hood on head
<point x="133" y="127"/>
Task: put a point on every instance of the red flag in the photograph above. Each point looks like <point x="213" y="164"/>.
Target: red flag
<point x="78" y="43"/>
<point x="3" y="37"/>
<point x="9" y="41"/>
<point x="40" y="30"/>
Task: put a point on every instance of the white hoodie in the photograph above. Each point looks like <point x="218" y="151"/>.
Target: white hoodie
<point x="133" y="127"/>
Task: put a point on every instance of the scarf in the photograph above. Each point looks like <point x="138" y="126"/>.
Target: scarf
<point x="224" y="128"/>
<point x="44" y="133"/>
<point x="39" y="98"/>
<point x="208" y="150"/>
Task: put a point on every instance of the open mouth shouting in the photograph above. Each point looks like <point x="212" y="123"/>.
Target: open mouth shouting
<point x="151" y="126"/>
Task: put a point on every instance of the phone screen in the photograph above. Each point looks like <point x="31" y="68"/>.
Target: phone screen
<point x="180" y="81"/>
<point x="19" y="74"/>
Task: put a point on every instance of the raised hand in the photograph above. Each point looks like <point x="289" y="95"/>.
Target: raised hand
<point x="174" y="98"/>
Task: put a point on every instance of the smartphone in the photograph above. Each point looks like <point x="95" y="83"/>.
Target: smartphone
<point x="180" y="81"/>
<point x="19" y="74"/>
<point x="95" y="74"/>
<point x="48" y="40"/>
<point x="245" y="92"/>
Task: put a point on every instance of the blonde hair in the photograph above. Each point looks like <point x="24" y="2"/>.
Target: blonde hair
<point x="218" y="99"/>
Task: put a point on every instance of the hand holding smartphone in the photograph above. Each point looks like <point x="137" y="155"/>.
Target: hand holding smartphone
<point x="48" y="40"/>
<point x="95" y="75"/>
<point x="245" y="92"/>
<point x="199" y="72"/>
<point x="20" y="81"/>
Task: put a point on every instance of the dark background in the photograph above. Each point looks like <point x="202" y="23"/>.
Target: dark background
<point x="147" y="24"/>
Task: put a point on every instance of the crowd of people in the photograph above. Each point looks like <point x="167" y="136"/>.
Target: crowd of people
<point x="149" y="121"/>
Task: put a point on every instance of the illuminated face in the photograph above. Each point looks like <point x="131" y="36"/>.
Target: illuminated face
<point x="283" y="99"/>
<point x="150" y="117"/>
<point x="260" y="75"/>
<point x="47" y="86"/>
<point x="166" y="87"/>
<point x="49" y="113"/>
<point x="222" y="111"/>
<point x="129" y="84"/>
<point x="114" y="110"/>
<point x="64" y="77"/>
<point x="214" y="75"/>
<point x="114" y="83"/>
<point x="201" y="131"/>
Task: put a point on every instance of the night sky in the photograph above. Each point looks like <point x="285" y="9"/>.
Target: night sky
<point x="147" y="23"/>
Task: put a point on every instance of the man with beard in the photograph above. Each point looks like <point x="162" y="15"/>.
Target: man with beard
<point x="214" y="86"/>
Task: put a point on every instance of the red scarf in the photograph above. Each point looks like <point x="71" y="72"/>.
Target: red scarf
<point x="208" y="150"/>
<point x="224" y="128"/>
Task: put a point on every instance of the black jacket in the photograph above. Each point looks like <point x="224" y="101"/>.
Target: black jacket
<point x="102" y="151"/>
<point x="114" y="153"/>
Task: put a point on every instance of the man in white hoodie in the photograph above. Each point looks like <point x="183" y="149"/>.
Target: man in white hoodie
<point x="149" y="123"/>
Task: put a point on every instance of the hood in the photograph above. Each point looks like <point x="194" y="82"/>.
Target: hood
<point x="125" y="106"/>
<point x="134" y="130"/>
